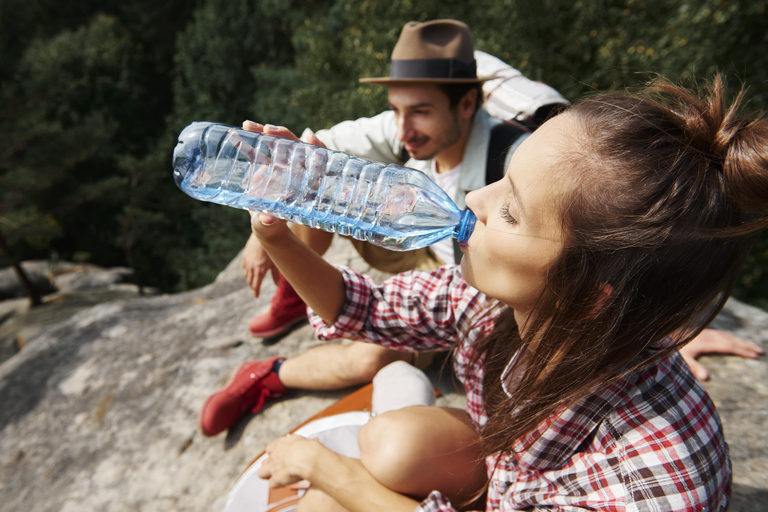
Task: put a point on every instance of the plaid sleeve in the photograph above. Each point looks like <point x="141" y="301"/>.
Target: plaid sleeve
<point x="435" y="502"/>
<point x="410" y="311"/>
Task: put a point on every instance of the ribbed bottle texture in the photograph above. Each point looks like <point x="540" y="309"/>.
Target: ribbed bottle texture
<point x="388" y="205"/>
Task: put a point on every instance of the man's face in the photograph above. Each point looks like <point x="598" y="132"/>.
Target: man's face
<point x="426" y="124"/>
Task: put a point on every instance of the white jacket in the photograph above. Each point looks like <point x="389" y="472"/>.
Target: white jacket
<point x="375" y="138"/>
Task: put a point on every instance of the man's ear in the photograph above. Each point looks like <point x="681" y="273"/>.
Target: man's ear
<point x="467" y="104"/>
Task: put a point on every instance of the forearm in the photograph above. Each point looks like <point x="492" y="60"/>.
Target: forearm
<point x="316" y="281"/>
<point x="346" y="481"/>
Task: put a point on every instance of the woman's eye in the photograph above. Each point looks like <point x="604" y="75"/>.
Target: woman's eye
<point x="504" y="212"/>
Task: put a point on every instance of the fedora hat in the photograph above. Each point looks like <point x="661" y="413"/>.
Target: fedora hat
<point x="438" y="52"/>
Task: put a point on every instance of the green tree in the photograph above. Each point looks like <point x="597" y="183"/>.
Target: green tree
<point x="60" y="135"/>
<point x="94" y="93"/>
<point x="229" y="54"/>
<point x="82" y="94"/>
<point x="577" y="47"/>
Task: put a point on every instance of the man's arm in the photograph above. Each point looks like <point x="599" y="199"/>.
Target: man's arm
<point x="713" y="341"/>
<point x="373" y="138"/>
<point x="256" y="264"/>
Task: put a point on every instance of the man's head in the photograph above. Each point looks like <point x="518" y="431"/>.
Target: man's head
<point x="433" y="85"/>
<point x="428" y="124"/>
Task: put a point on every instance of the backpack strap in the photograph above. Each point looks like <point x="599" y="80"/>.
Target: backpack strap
<point x="503" y="136"/>
<point x="404" y="156"/>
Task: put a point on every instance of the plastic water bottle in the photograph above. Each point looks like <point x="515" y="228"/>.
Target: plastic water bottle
<point x="387" y="205"/>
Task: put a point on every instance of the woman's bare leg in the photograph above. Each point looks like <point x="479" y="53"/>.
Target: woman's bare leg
<point x="419" y="449"/>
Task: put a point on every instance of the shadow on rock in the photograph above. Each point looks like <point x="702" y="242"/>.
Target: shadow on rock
<point x="748" y="499"/>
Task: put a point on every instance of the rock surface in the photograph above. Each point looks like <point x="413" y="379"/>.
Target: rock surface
<point x="68" y="288"/>
<point x="98" y="410"/>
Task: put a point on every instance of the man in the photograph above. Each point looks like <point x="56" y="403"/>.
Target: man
<point x="437" y="125"/>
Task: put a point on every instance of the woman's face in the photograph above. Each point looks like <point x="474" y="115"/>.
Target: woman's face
<point x="518" y="233"/>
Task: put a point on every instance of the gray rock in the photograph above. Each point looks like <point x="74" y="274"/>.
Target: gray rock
<point x="37" y="272"/>
<point x="71" y="288"/>
<point x="99" y="411"/>
<point x="92" y="277"/>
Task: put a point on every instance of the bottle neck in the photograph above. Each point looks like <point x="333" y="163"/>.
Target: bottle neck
<point x="465" y="226"/>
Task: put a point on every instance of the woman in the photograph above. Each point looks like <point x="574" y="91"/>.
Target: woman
<point x="614" y="239"/>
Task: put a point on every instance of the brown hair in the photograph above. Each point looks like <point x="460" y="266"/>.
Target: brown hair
<point x="670" y="188"/>
<point x="456" y="92"/>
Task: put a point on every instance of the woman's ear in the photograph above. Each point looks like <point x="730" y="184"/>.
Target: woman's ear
<point x="605" y="294"/>
<point x="602" y="300"/>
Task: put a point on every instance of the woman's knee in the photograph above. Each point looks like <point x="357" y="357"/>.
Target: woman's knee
<point x="389" y="444"/>
<point x="390" y="434"/>
<point x="419" y="449"/>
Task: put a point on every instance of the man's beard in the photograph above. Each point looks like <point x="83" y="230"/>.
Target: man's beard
<point x="447" y="139"/>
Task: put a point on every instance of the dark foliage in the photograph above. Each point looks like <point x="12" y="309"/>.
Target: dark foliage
<point x="93" y="94"/>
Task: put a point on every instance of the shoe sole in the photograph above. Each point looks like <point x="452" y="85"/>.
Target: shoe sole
<point x="279" y="330"/>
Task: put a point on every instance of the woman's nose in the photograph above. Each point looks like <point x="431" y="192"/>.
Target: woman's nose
<point x="477" y="205"/>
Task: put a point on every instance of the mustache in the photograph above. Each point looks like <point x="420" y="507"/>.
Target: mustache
<point x="418" y="138"/>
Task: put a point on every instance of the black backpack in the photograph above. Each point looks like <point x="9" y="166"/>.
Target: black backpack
<point x="504" y="135"/>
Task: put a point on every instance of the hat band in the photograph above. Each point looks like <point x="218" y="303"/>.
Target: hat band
<point x="439" y="69"/>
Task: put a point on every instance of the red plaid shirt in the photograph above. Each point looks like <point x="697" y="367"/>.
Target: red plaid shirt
<point x="650" y="442"/>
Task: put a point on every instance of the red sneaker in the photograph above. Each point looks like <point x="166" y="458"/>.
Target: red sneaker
<point x="286" y="309"/>
<point x="253" y="383"/>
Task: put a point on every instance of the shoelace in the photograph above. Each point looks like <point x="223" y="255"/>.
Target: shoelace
<point x="247" y="386"/>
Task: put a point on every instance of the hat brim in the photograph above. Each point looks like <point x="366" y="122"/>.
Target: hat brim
<point x="384" y="80"/>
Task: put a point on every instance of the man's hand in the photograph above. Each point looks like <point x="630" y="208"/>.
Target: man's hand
<point x="712" y="341"/>
<point x="256" y="264"/>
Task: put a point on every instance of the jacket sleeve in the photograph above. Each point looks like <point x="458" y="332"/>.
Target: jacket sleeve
<point x="373" y="138"/>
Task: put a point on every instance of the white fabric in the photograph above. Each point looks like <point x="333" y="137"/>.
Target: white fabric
<point x="512" y="95"/>
<point x="449" y="182"/>
<point x="375" y="138"/>
<point x="399" y="385"/>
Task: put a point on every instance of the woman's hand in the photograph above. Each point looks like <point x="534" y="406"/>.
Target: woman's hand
<point x="292" y="459"/>
<point x="317" y="282"/>
<point x="289" y="460"/>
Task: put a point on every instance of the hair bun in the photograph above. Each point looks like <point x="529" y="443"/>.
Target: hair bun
<point x="745" y="166"/>
<point x="737" y="145"/>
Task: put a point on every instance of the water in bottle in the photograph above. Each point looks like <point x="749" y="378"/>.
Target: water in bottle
<point x="387" y="205"/>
